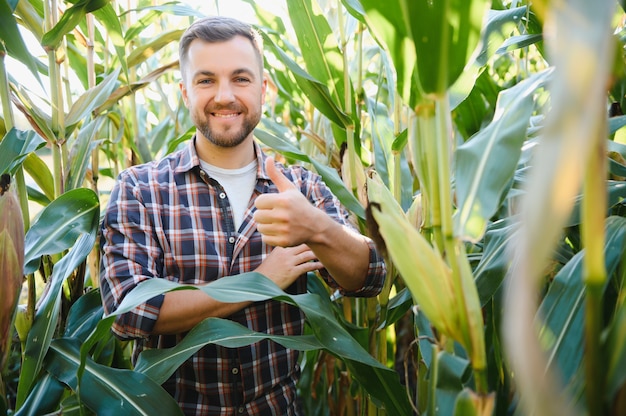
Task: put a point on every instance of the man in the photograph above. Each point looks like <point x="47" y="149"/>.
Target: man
<point x="221" y="207"/>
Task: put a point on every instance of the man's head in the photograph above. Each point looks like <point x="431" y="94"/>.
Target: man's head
<point x="223" y="83"/>
<point x="215" y="29"/>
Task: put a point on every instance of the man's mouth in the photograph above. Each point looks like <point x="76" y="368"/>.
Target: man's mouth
<point x="222" y="115"/>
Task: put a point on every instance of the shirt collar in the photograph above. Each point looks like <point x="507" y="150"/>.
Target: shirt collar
<point x="189" y="159"/>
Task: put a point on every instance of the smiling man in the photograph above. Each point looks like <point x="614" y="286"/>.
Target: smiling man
<point x="222" y="207"/>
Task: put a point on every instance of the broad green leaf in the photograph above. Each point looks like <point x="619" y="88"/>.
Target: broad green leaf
<point x="451" y="370"/>
<point x="80" y="155"/>
<point x="518" y="42"/>
<point x="159" y="364"/>
<point x="84" y="316"/>
<point x="15" y="147"/>
<point x="44" y="397"/>
<point x="317" y="92"/>
<point x="321" y="54"/>
<point x="615" y="193"/>
<point x="35" y="115"/>
<point x="108" y="391"/>
<point x="431" y="40"/>
<point x="615" y="123"/>
<point x="485" y="164"/>
<point x="108" y="17"/>
<point x="69" y="20"/>
<point x="330" y="176"/>
<point x="143" y="52"/>
<point x="379" y="381"/>
<point x="40" y="173"/>
<point x="445" y="35"/>
<point x="494" y="263"/>
<point x="31" y="16"/>
<point x="616" y="351"/>
<point x="561" y="313"/>
<point x="125" y="90"/>
<point x="90" y="100"/>
<point x="499" y="25"/>
<point x="422" y="269"/>
<point x="387" y="22"/>
<point x="59" y="225"/>
<point x="11" y="39"/>
<point x="47" y="316"/>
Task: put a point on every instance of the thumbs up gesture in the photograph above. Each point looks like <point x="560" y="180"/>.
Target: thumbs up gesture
<point x="286" y="218"/>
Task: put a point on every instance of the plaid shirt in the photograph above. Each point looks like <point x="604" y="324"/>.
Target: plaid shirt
<point x="169" y="219"/>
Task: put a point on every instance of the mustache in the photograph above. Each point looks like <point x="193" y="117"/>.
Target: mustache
<point x="231" y="107"/>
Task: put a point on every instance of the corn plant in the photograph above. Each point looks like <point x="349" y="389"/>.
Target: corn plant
<point x="456" y="133"/>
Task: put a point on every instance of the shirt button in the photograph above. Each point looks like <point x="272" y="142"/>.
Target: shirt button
<point x="241" y="409"/>
<point x="231" y="240"/>
<point x="235" y="370"/>
<point x="222" y="195"/>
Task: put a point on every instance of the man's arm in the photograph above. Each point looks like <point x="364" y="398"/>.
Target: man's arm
<point x="183" y="309"/>
<point x="288" y="218"/>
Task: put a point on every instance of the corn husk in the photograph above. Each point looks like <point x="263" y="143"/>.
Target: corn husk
<point x="11" y="263"/>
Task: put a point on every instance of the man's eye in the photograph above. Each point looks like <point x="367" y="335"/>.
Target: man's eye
<point x="242" y="80"/>
<point x="205" y="81"/>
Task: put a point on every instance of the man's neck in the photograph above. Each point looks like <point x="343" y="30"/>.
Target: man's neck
<point x="226" y="157"/>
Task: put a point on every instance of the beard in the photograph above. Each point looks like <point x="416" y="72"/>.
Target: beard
<point x="228" y="138"/>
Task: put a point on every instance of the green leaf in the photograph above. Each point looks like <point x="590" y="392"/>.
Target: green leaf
<point x="499" y="25"/>
<point x="322" y="57"/>
<point x="387" y="23"/>
<point x="159" y="364"/>
<point x="445" y="35"/>
<point x="69" y="20"/>
<point x="495" y="262"/>
<point x="108" y="391"/>
<point x="379" y="381"/>
<point x="518" y="42"/>
<point x="44" y="397"/>
<point x="40" y="173"/>
<point x="59" y="225"/>
<point x="561" y="313"/>
<point x="36" y="115"/>
<point x="82" y="148"/>
<point x="84" y="315"/>
<point x="15" y="146"/>
<point x="450" y="375"/>
<point x="316" y="91"/>
<point x="143" y="52"/>
<point x="47" y="316"/>
<point x="107" y="16"/>
<point x="422" y="269"/>
<point x="486" y="163"/>
<point x="616" y="351"/>
<point x="11" y="39"/>
<point x="90" y="100"/>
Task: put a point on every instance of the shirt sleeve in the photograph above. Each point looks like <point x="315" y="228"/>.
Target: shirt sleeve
<point x="130" y="255"/>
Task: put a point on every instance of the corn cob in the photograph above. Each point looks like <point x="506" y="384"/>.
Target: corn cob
<point x="11" y="262"/>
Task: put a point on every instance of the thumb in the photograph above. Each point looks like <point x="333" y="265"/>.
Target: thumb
<point x="280" y="180"/>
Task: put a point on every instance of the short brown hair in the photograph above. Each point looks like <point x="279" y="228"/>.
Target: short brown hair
<point x="215" y="29"/>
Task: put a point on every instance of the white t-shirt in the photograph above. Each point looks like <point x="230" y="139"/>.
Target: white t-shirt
<point x="238" y="184"/>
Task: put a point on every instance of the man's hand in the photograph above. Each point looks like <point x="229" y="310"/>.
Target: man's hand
<point x="286" y="219"/>
<point x="284" y="265"/>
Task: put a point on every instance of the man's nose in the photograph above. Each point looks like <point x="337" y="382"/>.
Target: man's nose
<point x="224" y="93"/>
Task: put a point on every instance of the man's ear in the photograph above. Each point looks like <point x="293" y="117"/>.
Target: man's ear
<point x="263" y="87"/>
<point x="183" y="91"/>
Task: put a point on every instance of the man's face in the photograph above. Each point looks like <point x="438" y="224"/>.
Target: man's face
<point x="224" y="89"/>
